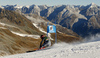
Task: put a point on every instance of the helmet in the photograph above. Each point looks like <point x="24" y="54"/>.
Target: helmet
<point x="41" y="36"/>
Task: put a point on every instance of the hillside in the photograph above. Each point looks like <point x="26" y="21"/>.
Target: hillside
<point x="17" y="20"/>
<point x="84" y="20"/>
<point x="14" y="44"/>
<point x="20" y="33"/>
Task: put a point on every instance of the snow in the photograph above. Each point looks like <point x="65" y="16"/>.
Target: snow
<point x="1" y="7"/>
<point x="63" y="50"/>
<point x="27" y="6"/>
<point x="35" y="20"/>
<point x="89" y="49"/>
<point x="2" y="28"/>
<point x="3" y="24"/>
<point x="17" y="6"/>
<point x="43" y="7"/>
<point x="92" y="5"/>
<point x="26" y="35"/>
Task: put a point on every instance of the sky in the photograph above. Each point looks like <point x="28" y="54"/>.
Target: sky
<point x="48" y="2"/>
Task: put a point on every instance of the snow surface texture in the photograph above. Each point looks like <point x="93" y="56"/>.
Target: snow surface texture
<point x="87" y="49"/>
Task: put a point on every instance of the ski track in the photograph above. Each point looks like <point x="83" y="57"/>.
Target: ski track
<point x="63" y="50"/>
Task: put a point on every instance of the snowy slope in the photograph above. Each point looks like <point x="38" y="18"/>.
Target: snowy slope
<point x="63" y="50"/>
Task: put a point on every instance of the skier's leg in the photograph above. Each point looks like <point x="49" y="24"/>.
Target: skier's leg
<point x="45" y="44"/>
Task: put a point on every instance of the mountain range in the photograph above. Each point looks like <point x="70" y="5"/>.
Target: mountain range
<point x="84" y="20"/>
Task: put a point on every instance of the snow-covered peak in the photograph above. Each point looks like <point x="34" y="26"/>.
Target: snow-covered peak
<point x="27" y="6"/>
<point x="17" y="6"/>
<point x="93" y="5"/>
<point x="1" y="7"/>
<point x="42" y="7"/>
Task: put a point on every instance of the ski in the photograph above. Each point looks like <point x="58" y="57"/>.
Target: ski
<point x="35" y="50"/>
<point x="43" y="48"/>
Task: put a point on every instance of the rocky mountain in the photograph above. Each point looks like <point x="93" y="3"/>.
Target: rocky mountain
<point x="21" y="32"/>
<point x="83" y="20"/>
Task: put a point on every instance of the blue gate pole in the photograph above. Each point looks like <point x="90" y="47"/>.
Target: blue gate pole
<point x="55" y="34"/>
<point x="47" y="26"/>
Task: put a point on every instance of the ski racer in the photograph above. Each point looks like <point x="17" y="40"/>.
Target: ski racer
<point x="44" y="42"/>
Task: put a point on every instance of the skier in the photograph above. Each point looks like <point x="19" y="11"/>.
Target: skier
<point x="44" y="42"/>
